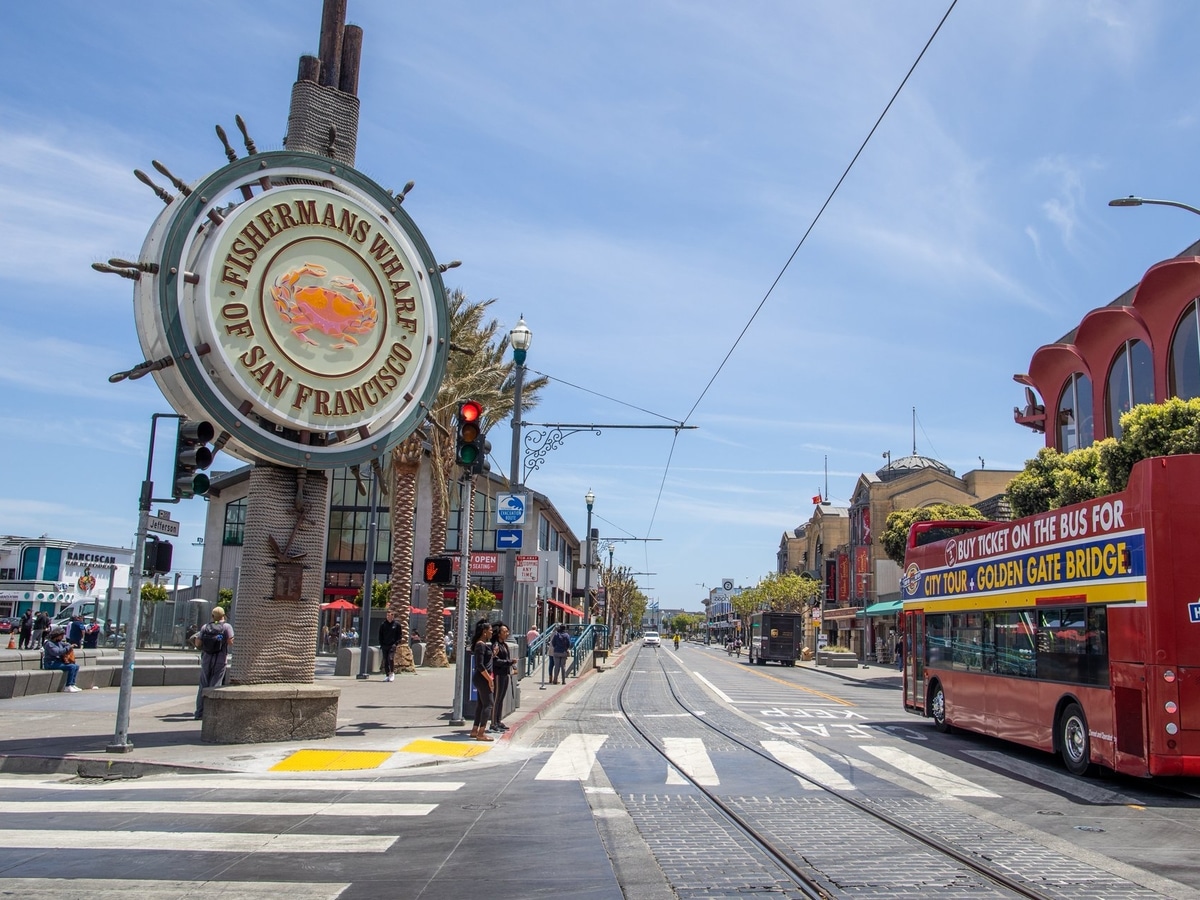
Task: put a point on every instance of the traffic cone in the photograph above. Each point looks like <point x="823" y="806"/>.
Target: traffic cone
<point x="12" y="641"/>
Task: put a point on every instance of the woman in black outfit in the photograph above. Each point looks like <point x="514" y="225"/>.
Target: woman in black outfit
<point x="502" y="667"/>
<point x="482" y="678"/>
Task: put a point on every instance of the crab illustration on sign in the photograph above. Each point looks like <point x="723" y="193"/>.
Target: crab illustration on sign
<point x="339" y="311"/>
<point x="86" y="582"/>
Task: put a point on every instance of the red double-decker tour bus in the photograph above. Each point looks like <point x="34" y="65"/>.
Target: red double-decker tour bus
<point x="1075" y="631"/>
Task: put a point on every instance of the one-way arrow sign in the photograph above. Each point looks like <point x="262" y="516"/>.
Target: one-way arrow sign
<point x="508" y="538"/>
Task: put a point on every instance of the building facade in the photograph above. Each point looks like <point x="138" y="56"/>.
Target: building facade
<point x="1143" y="347"/>
<point x="47" y="574"/>
<point x="344" y="569"/>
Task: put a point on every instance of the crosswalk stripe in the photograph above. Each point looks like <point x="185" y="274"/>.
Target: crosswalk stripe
<point x="214" y="808"/>
<point x="196" y="841"/>
<point x="690" y="756"/>
<point x="141" y="889"/>
<point x="573" y="759"/>
<point x="237" y="783"/>
<point x="934" y="776"/>
<point x="811" y="765"/>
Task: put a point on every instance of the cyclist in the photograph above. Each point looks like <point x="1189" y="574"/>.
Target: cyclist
<point x="676" y="642"/>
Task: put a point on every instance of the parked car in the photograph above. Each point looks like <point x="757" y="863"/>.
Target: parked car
<point x="9" y="624"/>
<point x="651" y="639"/>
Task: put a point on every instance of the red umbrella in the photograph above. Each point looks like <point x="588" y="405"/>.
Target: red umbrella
<point x="339" y="604"/>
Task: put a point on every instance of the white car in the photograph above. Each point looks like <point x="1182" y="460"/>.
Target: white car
<point x="650" y="639"/>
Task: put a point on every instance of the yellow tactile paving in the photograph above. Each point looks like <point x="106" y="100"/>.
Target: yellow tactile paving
<point x="331" y="760"/>
<point x="460" y="749"/>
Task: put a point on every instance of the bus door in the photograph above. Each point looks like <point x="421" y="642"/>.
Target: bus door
<point x="913" y="628"/>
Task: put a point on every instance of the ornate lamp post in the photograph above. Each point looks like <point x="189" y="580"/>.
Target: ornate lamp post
<point x="589" y="498"/>
<point x="519" y="338"/>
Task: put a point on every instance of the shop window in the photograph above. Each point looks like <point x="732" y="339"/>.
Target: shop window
<point x="52" y="570"/>
<point x="1130" y="382"/>
<point x="30" y="557"/>
<point x="1075" y="425"/>
<point x="1184" y="367"/>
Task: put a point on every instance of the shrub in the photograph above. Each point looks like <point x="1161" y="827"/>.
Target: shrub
<point x="894" y="538"/>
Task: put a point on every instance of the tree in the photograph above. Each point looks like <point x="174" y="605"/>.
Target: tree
<point x="894" y="538"/>
<point x="154" y="593"/>
<point x="225" y="598"/>
<point x="478" y="371"/>
<point x="380" y="592"/>
<point x="405" y="465"/>
<point x="479" y="599"/>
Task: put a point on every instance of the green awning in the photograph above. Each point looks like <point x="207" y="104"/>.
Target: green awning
<point x="887" y="608"/>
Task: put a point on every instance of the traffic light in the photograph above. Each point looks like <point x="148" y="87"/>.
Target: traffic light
<point x="158" y="556"/>
<point x="439" y="570"/>
<point x="470" y="446"/>
<point x="191" y="456"/>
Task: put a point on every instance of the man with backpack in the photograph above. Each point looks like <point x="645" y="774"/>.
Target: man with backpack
<point x="213" y="640"/>
<point x="560" y="646"/>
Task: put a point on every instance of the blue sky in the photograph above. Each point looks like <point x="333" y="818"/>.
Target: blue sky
<point x="632" y="177"/>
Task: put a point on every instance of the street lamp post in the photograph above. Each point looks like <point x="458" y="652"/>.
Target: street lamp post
<point x="519" y="338"/>
<point x="589" y="498"/>
<point x="1142" y="201"/>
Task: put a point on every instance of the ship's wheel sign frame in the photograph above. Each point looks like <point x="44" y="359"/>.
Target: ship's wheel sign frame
<point x="303" y="309"/>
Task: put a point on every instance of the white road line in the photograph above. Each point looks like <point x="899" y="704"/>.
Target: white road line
<point x="572" y="760"/>
<point x="937" y="778"/>
<point x="215" y="808"/>
<point x="712" y="687"/>
<point x="690" y="756"/>
<point x="1043" y="776"/>
<point x="811" y="765"/>
<point x="195" y="841"/>
<point x="140" y="889"/>
<point x="226" y="783"/>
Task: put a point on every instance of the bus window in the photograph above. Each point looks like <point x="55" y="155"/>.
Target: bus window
<point x="967" y="640"/>
<point x="1016" y="647"/>
<point x="937" y="641"/>
<point x="1071" y="645"/>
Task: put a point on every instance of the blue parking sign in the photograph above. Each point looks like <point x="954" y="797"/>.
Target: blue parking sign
<point x="1194" y="611"/>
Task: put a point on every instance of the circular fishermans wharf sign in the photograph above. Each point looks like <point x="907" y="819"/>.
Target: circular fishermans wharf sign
<point x="304" y="312"/>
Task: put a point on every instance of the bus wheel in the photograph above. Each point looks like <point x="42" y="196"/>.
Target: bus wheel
<point x="937" y="709"/>
<point x="1073" y="742"/>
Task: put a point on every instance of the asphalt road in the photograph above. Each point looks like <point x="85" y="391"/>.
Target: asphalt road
<point x="578" y="805"/>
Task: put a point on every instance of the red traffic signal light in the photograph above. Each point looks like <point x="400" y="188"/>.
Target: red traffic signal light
<point x="470" y="448"/>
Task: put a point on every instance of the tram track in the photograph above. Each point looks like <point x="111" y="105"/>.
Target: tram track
<point x="794" y="863"/>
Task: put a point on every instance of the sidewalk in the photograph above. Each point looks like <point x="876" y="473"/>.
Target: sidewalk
<point x="381" y="725"/>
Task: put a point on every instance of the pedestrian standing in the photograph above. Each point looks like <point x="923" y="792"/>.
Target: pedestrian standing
<point x="75" y="631"/>
<point x="560" y="646"/>
<point x="213" y="640"/>
<point x="482" y="678"/>
<point x="502" y="669"/>
<point x="390" y="634"/>
<point x="26" y="631"/>
<point x="41" y="622"/>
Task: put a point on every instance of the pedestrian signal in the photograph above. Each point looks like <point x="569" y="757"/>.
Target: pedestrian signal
<point x="158" y="555"/>
<point x="439" y="570"/>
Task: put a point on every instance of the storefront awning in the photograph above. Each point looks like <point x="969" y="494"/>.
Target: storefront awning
<point x="572" y="610"/>
<point x="887" y="608"/>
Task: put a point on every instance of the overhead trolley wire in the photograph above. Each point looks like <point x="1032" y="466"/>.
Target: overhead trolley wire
<point x="817" y="217"/>
<point x="803" y="238"/>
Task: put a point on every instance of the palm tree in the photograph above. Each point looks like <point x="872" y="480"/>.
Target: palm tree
<point x="478" y="371"/>
<point x="405" y="464"/>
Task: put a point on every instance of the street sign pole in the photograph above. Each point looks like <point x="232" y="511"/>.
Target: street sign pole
<point x="466" y="502"/>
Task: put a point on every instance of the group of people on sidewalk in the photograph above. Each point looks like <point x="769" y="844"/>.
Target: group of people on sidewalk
<point x="491" y="675"/>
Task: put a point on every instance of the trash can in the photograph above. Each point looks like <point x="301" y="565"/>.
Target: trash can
<point x="418" y="653"/>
